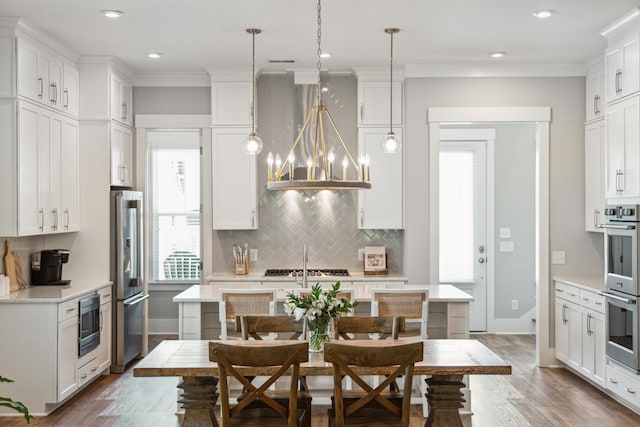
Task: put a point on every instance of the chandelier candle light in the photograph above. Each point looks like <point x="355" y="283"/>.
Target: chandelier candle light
<point x="320" y="160"/>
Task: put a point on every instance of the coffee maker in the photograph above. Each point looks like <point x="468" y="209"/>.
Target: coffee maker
<point x="46" y="267"/>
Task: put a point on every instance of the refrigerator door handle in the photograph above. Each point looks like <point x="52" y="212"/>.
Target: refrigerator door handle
<point x="134" y="301"/>
<point x="139" y="244"/>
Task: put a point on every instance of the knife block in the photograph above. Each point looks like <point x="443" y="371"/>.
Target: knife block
<point x="242" y="268"/>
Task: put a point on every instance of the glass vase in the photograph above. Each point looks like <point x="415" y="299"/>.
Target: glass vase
<point x="319" y="333"/>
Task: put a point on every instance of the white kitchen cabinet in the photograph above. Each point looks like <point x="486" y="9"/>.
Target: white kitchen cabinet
<point x="381" y="207"/>
<point x="595" y="105"/>
<point x="104" y="350"/>
<point x="234" y="181"/>
<point x="623" y="383"/>
<point x="622" y="67"/>
<point x="67" y="357"/>
<point x="374" y="103"/>
<point x="70" y="176"/>
<point x="29" y="218"/>
<point x="121" y="155"/>
<point x="121" y="100"/>
<point x="594" y="146"/>
<point x="231" y="103"/>
<point x="71" y="84"/>
<point x="580" y="333"/>
<point x="622" y="168"/>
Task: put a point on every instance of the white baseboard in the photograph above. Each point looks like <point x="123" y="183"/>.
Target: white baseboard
<point x="522" y="325"/>
<point x="163" y="326"/>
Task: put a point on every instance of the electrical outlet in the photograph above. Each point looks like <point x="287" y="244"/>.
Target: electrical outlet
<point x="253" y="254"/>
<point x="514" y="304"/>
<point x="360" y="254"/>
<point x="557" y="257"/>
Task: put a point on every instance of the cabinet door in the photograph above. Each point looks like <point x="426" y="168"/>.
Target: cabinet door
<point x="622" y="68"/>
<point x="127" y="104"/>
<point x="30" y="219"/>
<point x="115" y="98"/>
<point x="127" y="156"/>
<point x="381" y="207"/>
<point x="231" y="103"/>
<point x="572" y="312"/>
<point x="104" y="350"/>
<point x="121" y="155"/>
<point x="594" y="175"/>
<point x="69" y="101"/>
<point x="70" y="181"/>
<point x="55" y="84"/>
<point x="562" y="332"/>
<point x="55" y="174"/>
<point x="234" y="181"/>
<point x="30" y="84"/>
<point x="594" y="92"/>
<point x="599" y="344"/>
<point x="67" y="357"/>
<point x="588" y="343"/>
<point x="45" y="125"/>
<point x="623" y="149"/>
<point x="374" y="103"/>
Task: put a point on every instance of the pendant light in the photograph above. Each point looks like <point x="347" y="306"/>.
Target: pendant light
<point x="252" y="143"/>
<point x="391" y="143"/>
<point x="318" y="173"/>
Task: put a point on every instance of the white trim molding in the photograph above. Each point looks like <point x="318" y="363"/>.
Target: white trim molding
<point x="541" y="116"/>
<point x="173" y="121"/>
<point x="494" y="70"/>
<point x="172" y="80"/>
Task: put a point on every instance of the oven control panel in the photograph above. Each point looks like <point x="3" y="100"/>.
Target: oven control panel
<point x="622" y="213"/>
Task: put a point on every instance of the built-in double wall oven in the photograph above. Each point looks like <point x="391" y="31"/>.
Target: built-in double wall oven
<point x="622" y="289"/>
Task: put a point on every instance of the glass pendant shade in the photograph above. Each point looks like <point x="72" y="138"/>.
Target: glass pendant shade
<point x="391" y="143"/>
<point x="252" y="144"/>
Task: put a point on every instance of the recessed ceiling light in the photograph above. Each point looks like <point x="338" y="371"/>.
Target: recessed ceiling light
<point x="325" y="55"/>
<point x="112" y="13"/>
<point x="543" y="13"/>
<point x="154" y="55"/>
<point x="498" y="54"/>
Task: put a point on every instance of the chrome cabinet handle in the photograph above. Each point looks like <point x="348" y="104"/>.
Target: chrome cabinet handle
<point x="597" y="103"/>
<point x="70" y="310"/>
<point x="564" y="319"/>
<point x="124" y="111"/>
<point x="620" y="88"/>
<point x="596" y="217"/>
<point x="559" y="290"/>
<point x="361" y="112"/>
<point x="84" y="376"/>
<point x="253" y="217"/>
<point x="55" y="93"/>
<point x="54" y="211"/>
<point x="66" y="99"/>
<point x="95" y="368"/>
<point x="66" y="219"/>
<point x="41" y="87"/>
<point x="613" y="381"/>
<point x="630" y="390"/>
<point x="361" y="217"/>
<point x="41" y="213"/>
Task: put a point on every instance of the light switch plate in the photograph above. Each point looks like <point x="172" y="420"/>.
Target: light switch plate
<point x="557" y="257"/>
<point x="253" y="254"/>
<point x="360" y="254"/>
<point x="505" y="232"/>
<point x="507" y="246"/>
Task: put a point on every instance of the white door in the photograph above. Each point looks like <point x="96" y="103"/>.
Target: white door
<point x="463" y="223"/>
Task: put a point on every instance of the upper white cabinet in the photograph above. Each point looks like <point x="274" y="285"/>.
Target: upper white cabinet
<point x="381" y="207"/>
<point x="121" y="99"/>
<point x="47" y="78"/>
<point x="231" y="103"/>
<point x="622" y="167"/>
<point x="70" y="176"/>
<point x="234" y="181"/>
<point x="374" y="103"/>
<point x="121" y="155"/>
<point x="622" y="67"/>
<point x="595" y="104"/>
<point x="594" y="200"/>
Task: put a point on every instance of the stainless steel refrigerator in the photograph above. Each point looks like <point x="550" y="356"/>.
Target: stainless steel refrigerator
<point x="127" y="269"/>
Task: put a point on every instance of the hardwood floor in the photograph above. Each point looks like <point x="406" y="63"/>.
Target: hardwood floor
<point x="529" y="397"/>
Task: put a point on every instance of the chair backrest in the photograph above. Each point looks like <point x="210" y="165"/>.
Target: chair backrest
<point x="238" y="302"/>
<point x="401" y="355"/>
<point x="253" y="326"/>
<point x="346" y="294"/>
<point x="182" y="265"/>
<point x="285" y="355"/>
<point x="383" y="327"/>
<point x="411" y="303"/>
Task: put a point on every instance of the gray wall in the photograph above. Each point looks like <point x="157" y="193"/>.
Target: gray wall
<point x="565" y="96"/>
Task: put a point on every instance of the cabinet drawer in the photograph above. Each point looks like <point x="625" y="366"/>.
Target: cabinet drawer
<point x="567" y="292"/>
<point x="87" y="372"/>
<point x="67" y="310"/>
<point x="106" y="294"/>
<point x="623" y="384"/>
<point x="592" y="300"/>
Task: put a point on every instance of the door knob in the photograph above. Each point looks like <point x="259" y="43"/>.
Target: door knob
<point x="481" y="260"/>
<point x="481" y="249"/>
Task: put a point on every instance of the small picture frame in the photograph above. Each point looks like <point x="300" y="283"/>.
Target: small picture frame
<point x="375" y="260"/>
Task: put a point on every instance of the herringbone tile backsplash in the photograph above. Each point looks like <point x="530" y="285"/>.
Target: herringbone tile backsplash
<point x="325" y="220"/>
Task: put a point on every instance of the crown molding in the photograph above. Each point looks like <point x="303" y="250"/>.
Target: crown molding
<point x="495" y="70"/>
<point x="172" y="79"/>
<point x="111" y="61"/>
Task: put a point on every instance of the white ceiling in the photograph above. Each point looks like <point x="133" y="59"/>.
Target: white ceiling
<point x="197" y="34"/>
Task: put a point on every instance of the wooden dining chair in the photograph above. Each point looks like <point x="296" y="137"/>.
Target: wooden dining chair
<point x="238" y="302"/>
<point x="380" y="327"/>
<point x="286" y="357"/>
<point x="284" y="327"/>
<point x="363" y="411"/>
<point x="413" y="305"/>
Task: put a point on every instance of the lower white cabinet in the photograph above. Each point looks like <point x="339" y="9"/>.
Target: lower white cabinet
<point x="623" y="384"/>
<point x="104" y="350"/>
<point x="67" y="357"/>
<point x="580" y="334"/>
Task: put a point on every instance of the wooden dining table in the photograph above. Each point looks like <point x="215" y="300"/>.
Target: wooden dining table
<point x="445" y="361"/>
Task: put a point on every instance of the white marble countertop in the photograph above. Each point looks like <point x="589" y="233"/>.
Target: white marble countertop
<point x="260" y="277"/>
<point x="590" y="283"/>
<point x="437" y="293"/>
<point x="53" y="294"/>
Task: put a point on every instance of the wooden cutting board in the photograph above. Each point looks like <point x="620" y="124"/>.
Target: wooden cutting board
<point x="13" y="269"/>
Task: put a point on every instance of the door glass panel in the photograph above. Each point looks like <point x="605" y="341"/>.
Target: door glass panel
<point x="456" y="217"/>
<point x="621" y="255"/>
<point x="621" y="326"/>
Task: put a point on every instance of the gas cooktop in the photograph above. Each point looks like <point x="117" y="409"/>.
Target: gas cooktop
<point x="311" y="272"/>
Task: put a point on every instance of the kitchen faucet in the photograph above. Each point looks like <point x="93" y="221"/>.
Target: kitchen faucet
<point x="305" y="259"/>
